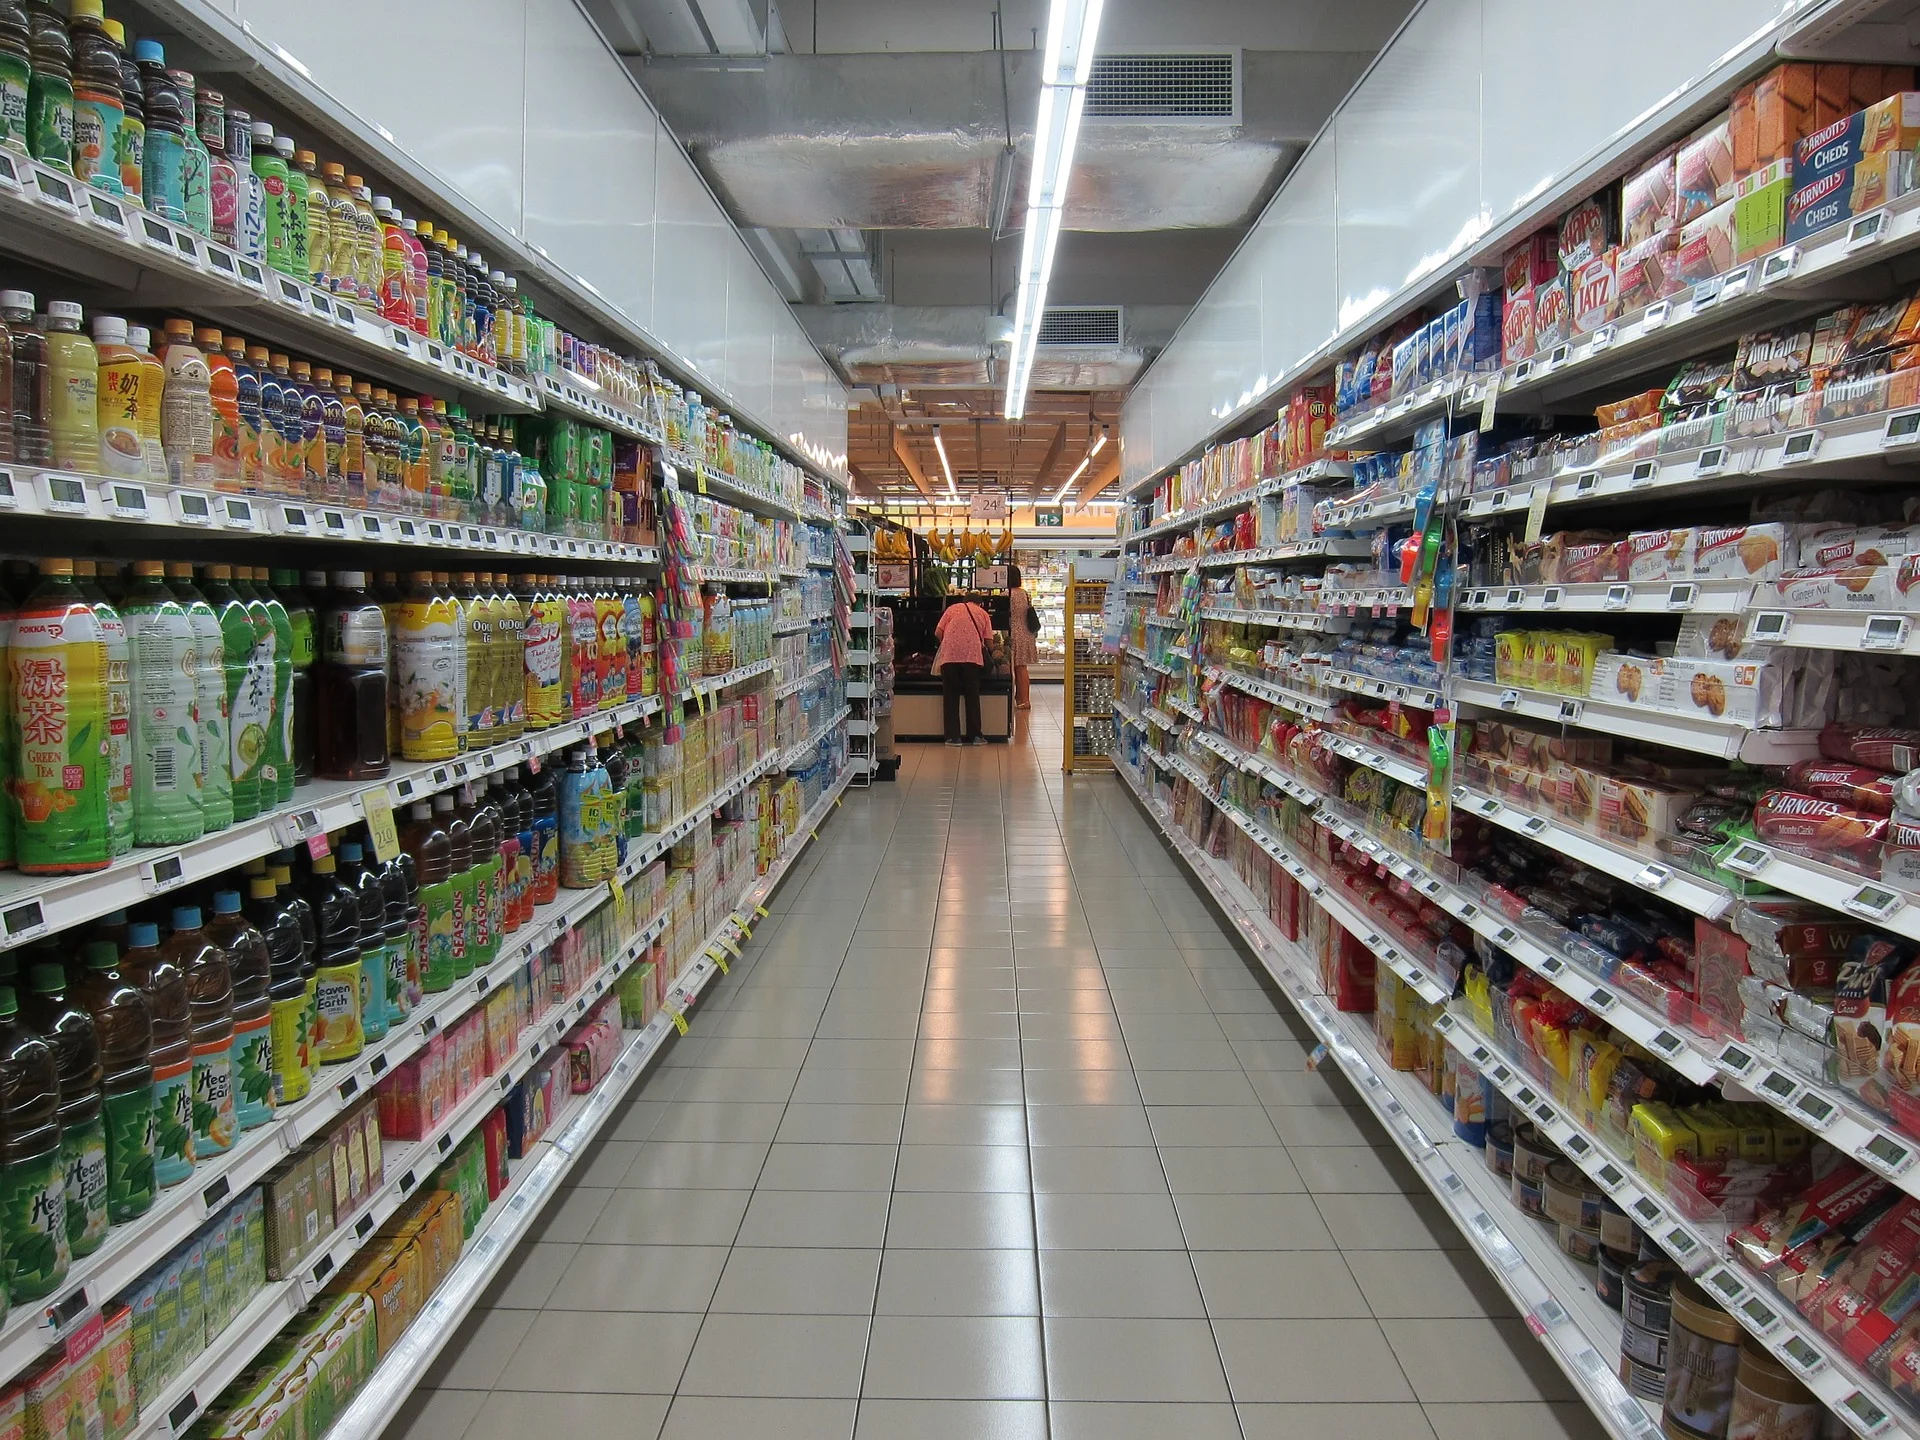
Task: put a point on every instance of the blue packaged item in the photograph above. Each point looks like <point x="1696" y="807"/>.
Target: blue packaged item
<point x="1480" y="338"/>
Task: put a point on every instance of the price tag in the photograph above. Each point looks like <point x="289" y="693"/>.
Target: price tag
<point x="9" y="175"/>
<point x="1587" y="483"/>
<point x="63" y="494"/>
<point x="408" y="531"/>
<point x="187" y="247"/>
<point x="156" y="234"/>
<point x="236" y="513"/>
<point x="1779" y="265"/>
<point x="22" y="922"/>
<point x="125" y="499"/>
<point x="345" y="316"/>
<point x="334" y="523"/>
<point x="1618" y="597"/>
<point x="1769" y="626"/>
<point x="1652" y="877"/>
<point x="52" y="189"/>
<point x="1680" y="597"/>
<point x="293" y="520"/>
<point x="1866" y="1417"/>
<point x="1800" y="447"/>
<point x="1656" y="315"/>
<point x="372" y="527"/>
<point x="1509" y="699"/>
<point x="190" y="507"/>
<point x="288" y="292"/>
<point x="1884" y="632"/>
<point x="1873" y="901"/>
<point x="1537" y="509"/>
<point x="1734" y="283"/>
<point x="1778" y="1088"/>
<point x="1706" y="294"/>
<point x="1644" y="473"/>
<point x="1803" y="1357"/>
<point x="1712" y="461"/>
<point x="1868" y="230"/>
<point x="251" y="275"/>
<point x="1736" y="1060"/>
<point x="1558" y="356"/>
<point x="377" y="807"/>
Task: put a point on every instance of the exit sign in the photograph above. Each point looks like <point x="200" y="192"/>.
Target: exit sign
<point x="1049" y="515"/>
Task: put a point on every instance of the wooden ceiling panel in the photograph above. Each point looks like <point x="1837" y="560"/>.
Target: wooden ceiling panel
<point x="888" y="441"/>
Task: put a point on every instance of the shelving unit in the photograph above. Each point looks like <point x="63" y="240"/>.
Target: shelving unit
<point x="1089" y="676"/>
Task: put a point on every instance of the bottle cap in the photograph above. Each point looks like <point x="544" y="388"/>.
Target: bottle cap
<point x="283" y="146"/>
<point x="262" y="132"/>
<point x="226" y="902"/>
<point x="64" y="310"/>
<point x="116" y="32"/>
<point x="178" y="330"/>
<point x="17" y="300"/>
<point x="350" y="579"/>
<point x="46" y="979"/>
<point x="55" y="566"/>
<point x="350" y="851"/>
<point x="138" y="336"/>
<point x="186" y="917"/>
<point x="323" y="864"/>
<point x="208" y="338"/>
<point x="218" y="572"/>
<point x="149" y="52"/>
<point x="109" y="330"/>
<point x="148" y="569"/>
<point x="9" y="1005"/>
<point x="261" y="887"/>
<point x="306" y="159"/>
<point x="102" y="954"/>
<point x="180" y="570"/>
<point x="143" y="934"/>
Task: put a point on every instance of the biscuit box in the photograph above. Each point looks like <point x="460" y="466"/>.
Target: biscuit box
<point x="1707" y="244"/>
<point x="1760" y="209"/>
<point x="1703" y="169"/>
<point x="1739" y="552"/>
<point x="1744" y="692"/>
<point x="1829" y="149"/>
<point x="1596" y="293"/>
<point x="1648" y="203"/>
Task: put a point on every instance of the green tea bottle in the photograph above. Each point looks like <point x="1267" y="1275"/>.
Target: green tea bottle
<point x="280" y="741"/>
<point x="16" y="75"/>
<point x="113" y="629"/>
<point x="33" y="1208"/>
<point x="280" y="868"/>
<point x="247" y="642"/>
<point x="303" y="618"/>
<point x="68" y="1027"/>
<point x="364" y="881"/>
<point x="167" y="780"/>
<point x="215" y="759"/>
<point x="58" y="668"/>
<point x="50" y="92"/>
<point x="123" y="1023"/>
<point x="250" y="964"/>
<point x="272" y="171"/>
<point x="286" y="990"/>
<point x="165" y="989"/>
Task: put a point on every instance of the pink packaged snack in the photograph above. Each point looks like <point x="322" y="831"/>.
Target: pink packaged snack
<point x="1706" y="245"/>
<point x="1648" y="203"/>
<point x="1647" y="271"/>
<point x="1516" y="328"/>
<point x="1703" y="170"/>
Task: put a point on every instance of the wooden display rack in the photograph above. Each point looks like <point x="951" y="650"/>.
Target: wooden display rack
<point x="1085" y="599"/>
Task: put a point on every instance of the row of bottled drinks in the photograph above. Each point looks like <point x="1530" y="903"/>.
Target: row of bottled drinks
<point x="74" y="98"/>
<point x="159" y="706"/>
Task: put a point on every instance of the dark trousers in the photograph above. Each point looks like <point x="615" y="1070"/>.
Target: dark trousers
<point x="955" y="681"/>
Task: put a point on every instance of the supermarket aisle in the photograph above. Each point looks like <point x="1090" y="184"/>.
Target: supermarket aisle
<point x="993" y="1134"/>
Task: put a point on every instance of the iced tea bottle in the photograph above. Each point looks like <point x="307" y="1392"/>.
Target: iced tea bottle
<point x="483" y="831"/>
<point x="33" y="1218"/>
<point x="209" y="982"/>
<point x="75" y="367"/>
<point x="223" y="410"/>
<point x="371" y="903"/>
<point x="250" y="963"/>
<point x="403" y="965"/>
<point x="123" y="1025"/>
<point x="121" y="452"/>
<point x="280" y="739"/>
<point x="50" y="91"/>
<point x="512" y="879"/>
<point x="68" y="1027"/>
<point x="457" y="817"/>
<point x="59" y="672"/>
<point x="215" y="761"/>
<point x="169" y="787"/>
<point x="427" y="844"/>
<point x="545" y="798"/>
<point x="339" y="1029"/>
<point x="165" y="989"/>
<point x="350" y="691"/>
<point x="32" y="380"/>
<point x="270" y="909"/>
<point x="113" y="629"/>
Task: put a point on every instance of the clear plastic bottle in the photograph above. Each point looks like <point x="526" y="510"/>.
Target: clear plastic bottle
<point x="294" y="209"/>
<point x="286" y="990"/>
<point x="427" y="651"/>
<point x="121" y="375"/>
<point x="224" y="189"/>
<point x="456" y="814"/>
<point x="197" y="169"/>
<point x="311" y="433"/>
<point x="278" y="766"/>
<point x="280" y="871"/>
<point x="249" y="963"/>
<point x="276" y="231"/>
<point x="160" y="980"/>
<point x="129" y="147"/>
<point x="351" y="683"/>
<point x="214" y="761"/>
<point x="353" y="447"/>
<point x="513" y="876"/>
<point x="248" y="419"/>
<point x="16" y="77"/>
<point x="303" y="623"/>
<point x="483" y="721"/>
<point x="152" y="397"/>
<point x="333" y="424"/>
<point x="403" y="965"/>
<point x="312" y="190"/>
<point x="113" y="631"/>
<point x="223" y="411"/>
<point x="426" y="843"/>
<point x="33" y="1211"/>
<point x="251" y="219"/>
<point x="247" y="646"/>
<point x="74" y="366"/>
<point x="32" y="380"/>
<point x="186" y="409"/>
<point x="123" y="1026"/>
<point x="371" y="901"/>
<point x="169" y="807"/>
<point x="68" y="1027"/>
<point x="209" y="981"/>
<point x="339" y="1029"/>
<point x="98" y="110"/>
<point x="366" y="229"/>
<point x="163" y="168"/>
<point x="483" y="842"/>
<point x="50" y="92"/>
<point x="586" y="820"/>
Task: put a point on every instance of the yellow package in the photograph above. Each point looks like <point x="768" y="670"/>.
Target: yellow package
<point x="1719" y="1136"/>
<point x="1598" y="1059"/>
<point x="1510" y="658"/>
<point x="1659" y="1134"/>
<point x="119" y="1406"/>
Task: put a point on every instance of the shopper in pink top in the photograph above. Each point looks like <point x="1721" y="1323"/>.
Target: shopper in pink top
<point x="960" y="662"/>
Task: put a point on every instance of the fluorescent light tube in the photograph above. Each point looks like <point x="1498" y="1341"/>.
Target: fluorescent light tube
<point x="1078" y="471"/>
<point x="1072" y="26"/>
<point x="940" y="445"/>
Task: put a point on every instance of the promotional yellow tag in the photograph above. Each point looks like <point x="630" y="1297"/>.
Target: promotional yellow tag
<point x="746" y="930"/>
<point x="731" y="948"/>
<point x="679" y="1022"/>
<point x="761" y="911"/>
<point x="700" y="479"/>
<point x="380" y="829"/>
<point x="720" y="960"/>
<point x="619" y="891"/>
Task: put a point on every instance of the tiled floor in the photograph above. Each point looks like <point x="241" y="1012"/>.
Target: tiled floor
<point x="994" y="1134"/>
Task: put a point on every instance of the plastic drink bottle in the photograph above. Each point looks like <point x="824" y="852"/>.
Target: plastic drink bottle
<point x="274" y="477"/>
<point x="247" y="645"/>
<point x="165" y="989"/>
<point x="483" y="841"/>
<point x="312" y="433"/>
<point x="334" y="432"/>
<point x="339" y="1032"/>
<point x="129" y="147"/>
<point x="186" y="409"/>
<point x="510" y="625"/>
<point x="58" y="666"/>
<point x="250" y="220"/>
<point x="251" y="583"/>
<point x="396" y="266"/>
<point x="302" y="650"/>
<point x="50" y="91"/>
<point x="169" y="807"/>
<point x="149" y="400"/>
<point x="33" y="1218"/>
<point x="276" y="229"/>
<point x="427" y="661"/>
<point x="371" y="905"/>
<point x="585" y="820"/>
<point x="16" y="75"/>
<point x="246" y="413"/>
<point x="223" y="176"/>
<point x="305" y="178"/>
<point x="209" y="981"/>
<point x="353" y="446"/>
<point x="512" y="880"/>
<point x="123" y="1026"/>
<point x="295" y="211"/>
<point x="457" y="816"/>
<point x="403" y="964"/>
<point x="249" y="963"/>
<point x="121" y="374"/>
<point x="74" y="367"/>
<point x="286" y="990"/>
<point x="32" y="390"/>
<point x="342" y="233"/>
<point x="214" y="761"/>
<point x="427" y="844"/>
<point x="68" y="1028"/>
<point x="223" y="411"/>
<point x="197" y="167"/>
<point x="164" y="154"/>
<point x="482" y="721"/>
<point x="98" y="110"/>
<point x="351" y="683"/>
<point x="545" y="798"/>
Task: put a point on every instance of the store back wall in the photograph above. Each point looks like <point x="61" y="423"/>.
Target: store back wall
<point x="522" y="107"/>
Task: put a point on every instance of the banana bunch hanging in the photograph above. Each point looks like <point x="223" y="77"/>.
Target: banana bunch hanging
<point x="1003" y="546"/>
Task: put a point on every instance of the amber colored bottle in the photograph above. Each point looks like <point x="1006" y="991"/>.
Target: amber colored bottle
<point x="228" y="469"/>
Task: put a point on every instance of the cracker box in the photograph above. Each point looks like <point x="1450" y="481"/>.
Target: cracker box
<point x="1745" y="692"/>
<point x="1552" y="317"/>
<point x="1831" y="148"/>
<point x="1595" y="293"/>
<point x="1740" y="552"/>
<point x="1760" y="209"/>
<point x="1703" y="170"/>
<point x="1586" y="233"/>
<point x="1660" y="555"/>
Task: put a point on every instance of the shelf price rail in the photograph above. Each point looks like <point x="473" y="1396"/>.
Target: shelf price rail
<point x="1578" y="1332"/>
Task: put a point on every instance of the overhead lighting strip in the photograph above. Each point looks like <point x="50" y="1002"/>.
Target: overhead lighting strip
<point x="1081" y="469"/>
<point x="953" y="493"/>
<point x="1072" y="28"/>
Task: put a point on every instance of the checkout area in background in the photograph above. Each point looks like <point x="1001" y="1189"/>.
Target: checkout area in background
<point x="917" y="711"/>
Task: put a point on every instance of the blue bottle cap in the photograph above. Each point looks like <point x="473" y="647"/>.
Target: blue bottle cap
<point x="143" y="933"/>
<point x="226" y="902"/>
<point x="186" y="917"/>
<point x="145" y="50"/>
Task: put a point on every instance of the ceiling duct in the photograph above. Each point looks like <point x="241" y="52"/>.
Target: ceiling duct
<point x="1160" y="88"/>
<point x="1086" y="326"/>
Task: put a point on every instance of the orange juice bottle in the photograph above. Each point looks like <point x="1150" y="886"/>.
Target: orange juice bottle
<point x="223" y="386"/>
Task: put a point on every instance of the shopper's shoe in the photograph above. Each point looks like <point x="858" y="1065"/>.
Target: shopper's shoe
<point x="953" y="742"/>
<point x="978" y="740"/>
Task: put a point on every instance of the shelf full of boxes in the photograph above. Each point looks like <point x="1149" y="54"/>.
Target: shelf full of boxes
<point x="401" y="1091"/>
<point x="1089" y="669"/>
<point x="1564" y="718"/>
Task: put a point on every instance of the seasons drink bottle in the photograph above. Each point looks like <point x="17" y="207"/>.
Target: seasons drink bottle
<point x="209" y="982"/>
<point x="169" y="807"/>
<point x="339" y="1032"/>
<point x="483" y="839"/>
<point x="371" y="904"/>
<point x="98" y="110"/>
<point x="215" y="758"/>
<point x="68" y="1027"/>
<point x="250" y="963"/>
<point x="75" y="367"/>
<point x="58" y="666"/>
<point x="350" y="692"/>
<point x="33" y="1221"/>
<point x="123" y="1024"/>
<point x="426" y="842"/>
<point x="457" y="816"/>
<point x="165" y="989"/>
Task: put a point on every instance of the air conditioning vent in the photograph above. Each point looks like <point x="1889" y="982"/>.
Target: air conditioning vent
<point x="1164" y="87"/>
<point x="1081" y="325"/>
